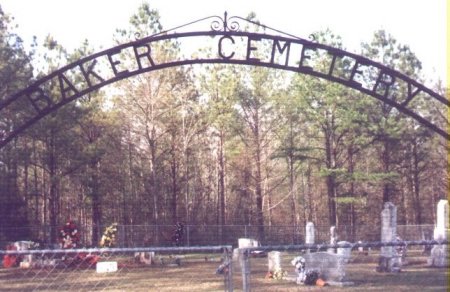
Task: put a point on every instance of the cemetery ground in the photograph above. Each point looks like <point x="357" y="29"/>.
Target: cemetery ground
<point x="197" y="274"/>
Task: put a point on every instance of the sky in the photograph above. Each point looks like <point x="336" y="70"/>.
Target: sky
<point x="421" y="24"/>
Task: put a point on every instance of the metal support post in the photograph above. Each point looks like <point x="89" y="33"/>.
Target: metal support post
<point x="228" y="275"/>
<point x="244" y="257"/>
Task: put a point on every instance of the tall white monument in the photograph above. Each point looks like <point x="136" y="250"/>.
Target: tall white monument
<point x="438" y="257"/>
<point x="309" y="235"/>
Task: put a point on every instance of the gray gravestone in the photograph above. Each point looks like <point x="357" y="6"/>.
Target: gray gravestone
<point x="331" y="267"/>
<point x="389" y="260"/>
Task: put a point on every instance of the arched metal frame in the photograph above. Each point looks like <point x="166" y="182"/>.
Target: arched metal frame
<point x="366" y="76"/>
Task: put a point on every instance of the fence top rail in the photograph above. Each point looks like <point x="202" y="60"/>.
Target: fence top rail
<point x="201" y="249"/>
<point x="228" y="248"/>
<point x="319" y="246"/>
<point x="217" y="225"/>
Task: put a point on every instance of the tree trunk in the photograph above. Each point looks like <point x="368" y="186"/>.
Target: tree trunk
<point x="330" y="180"/>
<point x="293" y="193"/>
<point x="416" y="184"/>
<point x="221" y="185"/>
<point x="53" y="194"/>
<point x="351" y="169"/>
<point x="258" y="179"/>
<point x="96" y="204"/>
<point x="173" y="168"/>
<point x="292" y="187"/>
<point x="386" y="160"/>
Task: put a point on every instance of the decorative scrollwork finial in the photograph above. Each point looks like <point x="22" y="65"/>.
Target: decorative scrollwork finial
<point x="223" y="24"/>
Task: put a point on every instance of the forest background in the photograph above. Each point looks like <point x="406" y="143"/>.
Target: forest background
<point x="216" y="145"/>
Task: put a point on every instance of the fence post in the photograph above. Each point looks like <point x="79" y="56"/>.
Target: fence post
<point x="188" y="236"/>
<point x="229" y="272"/>
<point x="245" y="267"/>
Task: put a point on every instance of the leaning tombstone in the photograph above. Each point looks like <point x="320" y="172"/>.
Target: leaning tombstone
<point x="389" y="260"/>
<point x="438" y="257"/>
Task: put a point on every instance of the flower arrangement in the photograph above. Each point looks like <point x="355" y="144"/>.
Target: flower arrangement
<point x="10" y="260"/>
<point x="307" y="276"/>
<point x="278" y="274"/>
<point x="109" y="236"/>
<point x="177" y="237"/>
<point x="69" y="236"/>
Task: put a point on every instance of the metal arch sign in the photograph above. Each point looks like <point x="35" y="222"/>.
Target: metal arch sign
<point x="227" y="45"/>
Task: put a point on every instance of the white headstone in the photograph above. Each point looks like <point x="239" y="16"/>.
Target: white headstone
<point x="274" y="258"/>
<point x="309" y="235"/>
<point x="333" y="239"/>
<point x="438" y="256"/>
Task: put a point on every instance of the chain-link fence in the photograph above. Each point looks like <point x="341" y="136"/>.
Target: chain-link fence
<point x="145" y="259"/>
<point x="118" y="269"/>
<point x="200" y="235"/>
<point x="353" y="266"/>
<point x="378" y="266"/>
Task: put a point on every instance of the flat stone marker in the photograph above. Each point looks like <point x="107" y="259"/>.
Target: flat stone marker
<point x="106" y="267"/>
